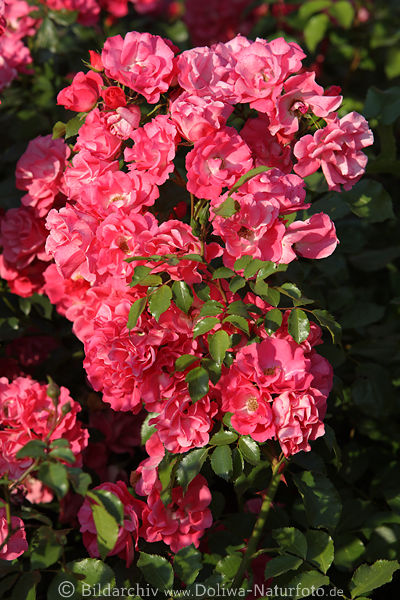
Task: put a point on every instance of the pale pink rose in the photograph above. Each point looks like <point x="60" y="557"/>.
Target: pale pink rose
<point x="14" y="58"/>
<point x="337" y="150"/>
<point x="183" y="521"/>
<point x="154" y="148"/>
<point x="282" y="190"/>
<point x="313" y="238"/>
<point x="37" y="493"/>
<point x="141" y="61"/>
<point x="39" y="171"/>
<point x="123" y="121"/>
<point x="22" y="236"/>
<point x="19" y="21"/>
<point x="16" y="544"/>
<point x="61" y="291"/>
<point x="262" y="67"/>
<point x="95" y="136"/>
<point x="302" y="95"/>
<point x="83" y="93"/>
<point x="297" y="421"/>
<point x="128" y="533"/>
<point x="266" y="148"/>
<point x="216" y="162"/>
<point x="197" y="116"/>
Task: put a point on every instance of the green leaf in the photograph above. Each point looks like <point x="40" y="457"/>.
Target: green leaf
<point x="320" y="549"/>
<point x="250" y="450"/>
<point x="80" y="481"/>
<point x="343" y="12"/>
<point x="315" y="30"/>
<point x="142" y="276"/>
<point x="33" y="449"/>
<point x="239" y="322"/>
<point x="147" y="430"/>
<point x="273" y="320"/>
<point x="211" y="308"/>
<point x="204" y="326"/>
<point x="135" y="311"/>
<point x="156" y="570"/>
<point x="184" y="361"/>
<point x="291" y="290"/>
<point x="237" y="283"/>
<point x="305" y="583"/>
<point x="65" y="454"/>
<point x="198" y="383"/>
<point x="298" y="325"/>
<point x="281" y="564"/>
<point x="58" y="130"/>
<point x="227" y="209"/>
<point x="46" y="547"/>
<point x="78" y="576"/>
<point x="187" y="564"/>
<point x="311" y="7"/>
<point x="242" y="262"/>
<point x="221" y="462"/>
<point x="182" y="295"/>
<point x="327" y="320"/>
<point x="238" y="308"/>
<point x="229" y="565"/>
<point x="107" y="529"/>
<point x="370" y="577"/>
<point x="73" y="126"/>
<point x="369" y="200"/>
<point x="247" y="176"/>
<point x="202" y="291"/>
<point x="252" y="268"/>
<point x="160" y="301"/>
<point x="272" y="296"/>
<point x="190" y="466"/>
<point x="291" y="540"/>
<point x="55" y="476"/>
<point x="348" y="551"/>
<point x="223" y="273"/>
<point x="218" y="344"/>
<point x="321" y="500"/>
<point x="110" y="502"/>
<point x="213" y="369"/>
<point x="223" y="437"/>
<point x="47" y="36"/>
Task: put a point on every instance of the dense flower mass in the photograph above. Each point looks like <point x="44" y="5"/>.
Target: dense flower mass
<point x="158" y="231"/>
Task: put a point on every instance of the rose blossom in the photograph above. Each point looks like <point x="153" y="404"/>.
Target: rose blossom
<point x="337" y="150"/>
<point x="141" y="61"/>
<point x="197" y="116"/>
<point x="83" y="92"/>
<point x="217" y="161"/>
<point x="95" y="137"/>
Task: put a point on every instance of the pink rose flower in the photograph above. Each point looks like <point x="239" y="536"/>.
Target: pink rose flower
<point x="216" y="162"/>
<point x="337" y="150"/>
<point x="197" y="116"/>
<point x="96" y="137"/>
<point x="154" y="148"/>
<point x="39" y="172"/>
<point x="22" y="236"/>
<point x="141" y="61"/>
<point x="313" y="238"/>
<point x="266" y="148"/>
<point x="123" y="121"/>
<point x="183" y="521"/>
<point x="114" y="97"/>
<point x="83" y="92"/>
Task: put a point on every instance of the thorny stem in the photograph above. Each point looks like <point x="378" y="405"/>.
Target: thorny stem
<point x="260" y="523"/>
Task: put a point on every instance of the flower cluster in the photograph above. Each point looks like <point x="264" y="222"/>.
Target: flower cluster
<point x="185" y="165"/>
<point x="15" y="24"/>
<point x="28" y="413"/>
